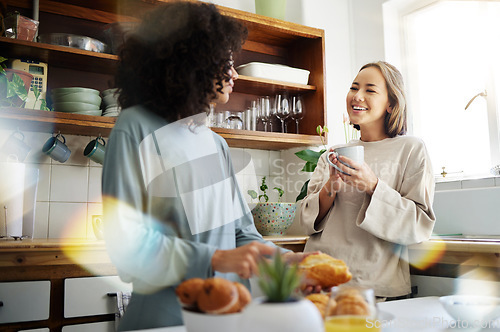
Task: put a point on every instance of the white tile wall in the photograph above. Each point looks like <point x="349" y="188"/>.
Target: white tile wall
<point x="67" y="220"/>
<point x="69" y="193"/>
<point x="94" y="190"/>
<point x="68" y="183"/>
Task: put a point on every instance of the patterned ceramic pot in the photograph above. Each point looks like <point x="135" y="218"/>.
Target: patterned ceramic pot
<point x="273" y="218"/>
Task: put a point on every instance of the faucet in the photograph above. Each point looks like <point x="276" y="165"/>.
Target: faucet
<point x="482" y="94"/>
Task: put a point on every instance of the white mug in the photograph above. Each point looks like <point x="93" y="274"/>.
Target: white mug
<point x="355" y="152"/>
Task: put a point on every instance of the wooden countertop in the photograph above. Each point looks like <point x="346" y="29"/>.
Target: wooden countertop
<point x="83" y="244"/>
<point x="36" y="252"/>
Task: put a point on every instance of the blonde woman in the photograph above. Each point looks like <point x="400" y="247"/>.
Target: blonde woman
<point x="368" y="216"/>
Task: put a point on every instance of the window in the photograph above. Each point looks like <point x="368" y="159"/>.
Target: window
<point x="450" y="55"/>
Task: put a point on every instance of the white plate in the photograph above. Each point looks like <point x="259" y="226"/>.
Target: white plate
<point x="385" y="316"/>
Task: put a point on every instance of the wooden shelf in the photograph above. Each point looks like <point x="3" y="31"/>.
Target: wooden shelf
<point x="86" y="125"/>
<point x="265" y="140"/>
<point x="269" y="40"/>
<point x="53" y="122"/>
<point x="59" y="56"/>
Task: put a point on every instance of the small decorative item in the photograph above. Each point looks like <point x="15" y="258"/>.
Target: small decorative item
<point x="272" y="218"/>
<point x="279" y="309"/>
<point x="271" y="8"/>
<point x="20" y="27"/>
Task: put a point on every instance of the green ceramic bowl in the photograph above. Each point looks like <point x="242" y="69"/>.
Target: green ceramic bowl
<point x="94" y="113"/>
<point x="72" y="107"/>
<point x="80" y="97"/>
<point x="61" y="91"/>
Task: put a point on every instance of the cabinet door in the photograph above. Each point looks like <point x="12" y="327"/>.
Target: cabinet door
<point x="89" y="296"/>
<point x="24" y="301"/>
<point x="91" y="327"/>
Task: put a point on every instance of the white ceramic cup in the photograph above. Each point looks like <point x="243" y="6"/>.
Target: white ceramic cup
<point x="356" y="153"/>
<point x="15" y="148"/>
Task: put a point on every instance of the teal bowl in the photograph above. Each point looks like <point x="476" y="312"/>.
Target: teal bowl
<point x="73" y="107"/>
<point x="80" y="97"/>
<point x="273" y="218"/>
<point x="93" y="113"/>
<point x="62" y="91"/>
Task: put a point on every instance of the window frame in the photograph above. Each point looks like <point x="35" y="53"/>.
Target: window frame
<point x="396" y="49"/>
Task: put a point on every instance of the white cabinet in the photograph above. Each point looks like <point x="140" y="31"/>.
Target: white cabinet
<point x="89" y="296"/>
<point x="91" y="327"/>
<point x="24" y="301"/>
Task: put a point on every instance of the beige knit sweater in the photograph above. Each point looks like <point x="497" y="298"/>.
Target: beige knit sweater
<point x="371" y="234"/>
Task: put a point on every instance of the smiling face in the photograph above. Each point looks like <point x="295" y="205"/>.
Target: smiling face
<point x="222" y="95"/>
<point x="368" y="101"/>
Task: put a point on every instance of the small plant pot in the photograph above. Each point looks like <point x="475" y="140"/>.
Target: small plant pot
<point x="297" y="316"/>
<point x="202" y="322"/>
<point x="273" y="218"/>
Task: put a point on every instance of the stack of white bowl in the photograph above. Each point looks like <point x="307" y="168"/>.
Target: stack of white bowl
<point x="110" y="103"/>
<point x="76" y="100"/>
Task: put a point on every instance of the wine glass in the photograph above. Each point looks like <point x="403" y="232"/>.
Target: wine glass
<point x="264" y="110"/>
<point x="297" y="112"/>
<point x="282" y="107"/>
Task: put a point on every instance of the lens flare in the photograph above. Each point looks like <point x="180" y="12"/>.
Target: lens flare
<point x="427" y="254"/>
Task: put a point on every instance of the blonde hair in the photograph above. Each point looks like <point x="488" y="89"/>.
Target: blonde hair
<point x="395" y="122"/>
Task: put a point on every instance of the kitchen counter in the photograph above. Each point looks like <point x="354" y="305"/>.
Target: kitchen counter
<point x="433" y="257"/>
<point x="85" y="253"/>
<point x="456" y="256"/>
<point x="419" y="314"/>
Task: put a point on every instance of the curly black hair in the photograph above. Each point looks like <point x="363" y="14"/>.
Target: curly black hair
<point x="171" y="61"/>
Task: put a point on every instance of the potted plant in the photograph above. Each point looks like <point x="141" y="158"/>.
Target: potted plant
<point x="271" y="218"/>
<point x="281" y="308"/>
<point x="14" y="87"/>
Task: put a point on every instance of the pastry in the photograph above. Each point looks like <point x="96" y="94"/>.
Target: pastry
<point x="324" y="270"/>
<point x="323" y="302"/>
<point x="351" y="302"/>
<point x="187" y="292"/>
<point x="244" y="296"/>
<point x="218" y="296"/>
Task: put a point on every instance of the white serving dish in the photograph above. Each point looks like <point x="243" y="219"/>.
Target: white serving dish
<point x="274" y="72"/>
<point x="473" y="309"/>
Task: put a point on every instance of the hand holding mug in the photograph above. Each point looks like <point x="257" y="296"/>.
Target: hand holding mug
<point x="352" y="169"/>
<point x="354" y="154"/>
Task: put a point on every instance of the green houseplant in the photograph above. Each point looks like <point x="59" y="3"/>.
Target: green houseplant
<point x="271" y="218"/>
<point x="280" y="309"/>
<point x="14" y="87"/>
<point x="311" y="158"/>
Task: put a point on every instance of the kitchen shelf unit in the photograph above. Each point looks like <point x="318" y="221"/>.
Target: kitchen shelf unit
<point x="269" y="40"/>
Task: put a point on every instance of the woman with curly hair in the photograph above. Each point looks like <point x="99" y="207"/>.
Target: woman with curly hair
<point x="172" y="206"/>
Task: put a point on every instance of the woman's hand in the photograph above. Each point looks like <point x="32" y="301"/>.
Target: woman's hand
<point x="359" y="176"/>
<point x="243" y="260"/>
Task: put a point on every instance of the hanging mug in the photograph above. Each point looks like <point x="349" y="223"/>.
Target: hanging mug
<point x="95" y="150"/>
<point x="56" y="148"/>
<point x="14" y="148"/>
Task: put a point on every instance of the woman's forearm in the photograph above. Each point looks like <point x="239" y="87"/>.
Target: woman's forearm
<point x="326" y="198"/>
